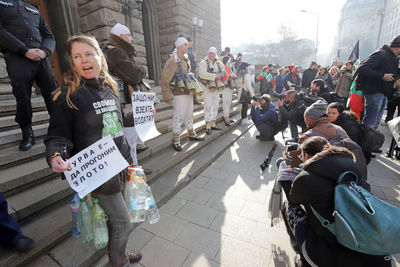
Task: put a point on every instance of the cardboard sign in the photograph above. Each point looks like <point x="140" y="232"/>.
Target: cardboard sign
<point x="95" y="165"/>
<point x="142" y="107"/>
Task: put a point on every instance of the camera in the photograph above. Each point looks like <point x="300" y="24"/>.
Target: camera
<point x="291" y="154"/>
<point x="280" y="96"/>
<point x="256" y="99"/>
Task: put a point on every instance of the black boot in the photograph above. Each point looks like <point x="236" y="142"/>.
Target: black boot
<point x="28" y="140"/>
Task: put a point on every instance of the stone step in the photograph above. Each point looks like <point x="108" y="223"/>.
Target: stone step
<point x="8" y="122"/>
<point x="71" y="251"/>
<point x="47" y="229"/>
<point x="8" y="107"/>
<point x="37" y="198"/>
<point x="15" y="135"/>
<point x="12" y="156"/>
<point x="32" y="171"/>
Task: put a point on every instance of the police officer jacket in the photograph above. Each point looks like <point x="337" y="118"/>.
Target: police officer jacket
<point x="22" y="28"/>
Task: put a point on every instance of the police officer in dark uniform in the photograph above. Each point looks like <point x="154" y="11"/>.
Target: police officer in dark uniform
<point x="27" y="43"/>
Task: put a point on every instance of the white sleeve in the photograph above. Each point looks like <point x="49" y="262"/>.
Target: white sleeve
<point x="247" y="84"/>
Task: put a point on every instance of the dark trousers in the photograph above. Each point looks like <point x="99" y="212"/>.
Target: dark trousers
<point x="9" y="228"/>
<point x="393" y="103"/>
<point x="267" y="131"/>
<point x="23" y="72"/>
<point x="245" y="107"/>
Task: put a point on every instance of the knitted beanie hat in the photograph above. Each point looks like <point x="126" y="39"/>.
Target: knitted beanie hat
<point x="395" y="42"/>
<point x="316" y="110"/>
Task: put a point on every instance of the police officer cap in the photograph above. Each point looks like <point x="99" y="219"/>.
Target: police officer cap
<point x="395" y="42"/>
<point x="119" y="29"/>
<point x="180" y="41"/>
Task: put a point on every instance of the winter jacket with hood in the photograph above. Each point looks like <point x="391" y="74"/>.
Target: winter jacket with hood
<point x="315" y="187"/>
<point x="98" y="107"/>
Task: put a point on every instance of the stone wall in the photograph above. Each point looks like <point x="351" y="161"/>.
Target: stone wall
<point x="175" y="18"/>
<point x="98" y="16"/>
<point x="3" y="71"/>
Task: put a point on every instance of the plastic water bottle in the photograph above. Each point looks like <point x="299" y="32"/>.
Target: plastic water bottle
<point x="152" y="213"/>
<point x="130" y="192"/>
<point x="74" y="209"/>
<point x="140" y="202"/>
<point x="100" y="230"/>
<point x="85" y="222"/>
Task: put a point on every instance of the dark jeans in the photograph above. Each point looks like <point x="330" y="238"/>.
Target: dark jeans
<point x="9" y="228"/>
<point x="23" y="72"/>
<point x="245" y="107"/>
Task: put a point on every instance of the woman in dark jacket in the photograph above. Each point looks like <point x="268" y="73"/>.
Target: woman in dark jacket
<point x="265" y="83"/>
<point x="87" y="108"/>
<point x="324" y="75"/>
<point x="315" y="186"/>
<point x="348" y="121"/>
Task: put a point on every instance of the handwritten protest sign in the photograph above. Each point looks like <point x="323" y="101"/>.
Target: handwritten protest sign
<point x="95" y="165"/>
<point x="142" y="107"/>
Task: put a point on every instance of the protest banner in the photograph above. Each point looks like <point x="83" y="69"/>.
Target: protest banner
<point x="142" y="107"/>
<point x="95" y="165"/>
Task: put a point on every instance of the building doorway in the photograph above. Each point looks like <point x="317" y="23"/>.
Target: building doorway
<point x="151" y="38"/>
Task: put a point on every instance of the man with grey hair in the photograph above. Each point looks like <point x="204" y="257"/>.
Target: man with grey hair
<point x="210" y="75"/>
<point x="175" y="92"/>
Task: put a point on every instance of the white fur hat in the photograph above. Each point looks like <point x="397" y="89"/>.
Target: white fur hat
<point x="212" y="50"/>
<point x="119" y="29"/>
<point x="180" y="41"/>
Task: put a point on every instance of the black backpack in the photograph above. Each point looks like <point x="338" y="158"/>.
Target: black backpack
<point x="372" y="140"/>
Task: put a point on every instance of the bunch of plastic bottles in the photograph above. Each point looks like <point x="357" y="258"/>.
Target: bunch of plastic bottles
<point x="139" y="199"/>
<point x="89" y="221"/>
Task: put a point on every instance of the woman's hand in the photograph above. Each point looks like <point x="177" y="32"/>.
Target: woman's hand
<point x="59" y="165"/>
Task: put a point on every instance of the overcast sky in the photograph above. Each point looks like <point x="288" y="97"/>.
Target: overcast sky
<point x="247" y="21"/>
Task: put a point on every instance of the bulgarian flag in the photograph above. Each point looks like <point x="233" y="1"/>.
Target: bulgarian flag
<point x="226" y="72"/>
<point x="356" y="98"/>
<point x="267" y="76"/>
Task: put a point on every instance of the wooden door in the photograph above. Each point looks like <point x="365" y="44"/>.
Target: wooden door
<point x="41" y="5"/>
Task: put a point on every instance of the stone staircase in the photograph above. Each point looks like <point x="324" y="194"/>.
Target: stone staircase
<point x="39" y="200"/>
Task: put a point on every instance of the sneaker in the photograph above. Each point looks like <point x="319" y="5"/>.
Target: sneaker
<point x="177" y="147"/>
<point x="134" y="256"/>
<point x="141" y="148"/>
<point x="147" y="171"/>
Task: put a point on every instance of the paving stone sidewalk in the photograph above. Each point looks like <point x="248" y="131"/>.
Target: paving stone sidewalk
<point x="220" y="218"/>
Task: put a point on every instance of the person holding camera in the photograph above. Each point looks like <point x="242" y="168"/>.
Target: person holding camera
<point x="346" y="78"/>
<point x="318" y="89"/>
<point x="291" y="108"/>
<point x="265" y="117"/>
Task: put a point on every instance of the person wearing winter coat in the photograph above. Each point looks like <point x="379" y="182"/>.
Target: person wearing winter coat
<point x="318" y="124"/>
<point x="318" y="89"/>
<point x="291" y="108"/>
<point x="346" y="78"/>
<point x="309" y="75"/>
<point x="314" y="187"/>
<point x="334" y="72"/>
<point x="265" y="117"/>
<point x="179" y="97"/>
<point x="292" y="79"/>
<point x="265" y="82"/>
<point x="210" y="75"/>
<point x="120" y="56"/>
<point x="376" y="77"/>
<point x="324" y="75"/>
<point x="86" y="109"/>
<point x="279" y="81"/>
<point x="244" y="80"/>
<point x="348" y="121"/>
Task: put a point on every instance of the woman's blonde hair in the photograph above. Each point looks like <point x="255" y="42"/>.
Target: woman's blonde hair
<point x="72" y="79"/>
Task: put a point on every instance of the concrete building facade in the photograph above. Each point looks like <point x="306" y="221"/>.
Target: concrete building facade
<point x="391" y="22"/>
<point x="155" y="25"/>
<point x="359" y="20"/>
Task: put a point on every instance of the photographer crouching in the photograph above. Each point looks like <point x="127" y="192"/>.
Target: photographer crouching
<point x="291" y="108"/>
<point x="265" y="118"/>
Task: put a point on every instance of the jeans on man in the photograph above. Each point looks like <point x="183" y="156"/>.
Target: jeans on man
<point x="9" y="228"/>
<point x="373" y="111"/>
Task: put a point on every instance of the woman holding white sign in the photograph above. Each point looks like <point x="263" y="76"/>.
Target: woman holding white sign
<point x="86" y="109"/>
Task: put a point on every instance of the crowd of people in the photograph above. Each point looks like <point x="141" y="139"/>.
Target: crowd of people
<point x="313" y="99"/>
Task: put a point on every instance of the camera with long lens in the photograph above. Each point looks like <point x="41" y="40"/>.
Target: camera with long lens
<point x="277" y="95"/>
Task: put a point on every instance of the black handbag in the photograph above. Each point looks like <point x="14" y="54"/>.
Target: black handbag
<point x="372" y="140"/>
<point x="245" y="97"/>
